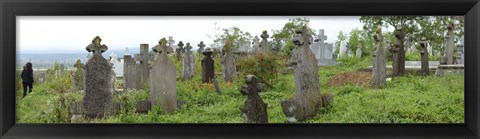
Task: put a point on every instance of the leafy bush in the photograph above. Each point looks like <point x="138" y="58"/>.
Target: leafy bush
<point x="264" y="65"/>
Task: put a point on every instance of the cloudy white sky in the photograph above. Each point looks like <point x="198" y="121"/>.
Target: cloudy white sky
<point x="74" y="33"/>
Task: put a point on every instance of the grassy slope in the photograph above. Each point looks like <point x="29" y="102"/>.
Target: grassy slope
<point x="409" y="99"/>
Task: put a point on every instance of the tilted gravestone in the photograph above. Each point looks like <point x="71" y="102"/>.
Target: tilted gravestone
<point x="379" y="70"/>
<point x="228" y="65"/>
<point x="78" y="78"/>
<point x="208" y="67"/>
<point x="424" y="57"/>
<point x="254" y="110"/>
<point x="132" y="73"/>
<point x="163" y="92"/>
<point x="188" y="63"/>
<point x="179" y="50"/>
<point x="200" y="47"/>
<point x="449" y="41"/>
<point x="358" y="53"/>
<point x="264" y="44"/>
<point x="143" y="58"/>
<point x="98" y="98"/>
<point x="307" y="100"/>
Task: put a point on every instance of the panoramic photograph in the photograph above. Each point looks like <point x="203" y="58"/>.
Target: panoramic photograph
<point x="240" y="69"/>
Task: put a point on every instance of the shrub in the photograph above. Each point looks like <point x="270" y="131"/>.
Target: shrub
<point x="264" y="65"/>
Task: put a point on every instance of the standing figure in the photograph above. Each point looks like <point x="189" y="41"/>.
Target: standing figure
<point x="27" y="78"/>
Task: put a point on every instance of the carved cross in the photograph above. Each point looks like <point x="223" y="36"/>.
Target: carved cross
<point x="143" y="57"/>
<point x="161" y="47"/>
<point x="321" y="36"/>
<point x="96" y="47"/>
<point x="188" y="47"/>
<point x="264" y="35"/>
<point x="252" y="87"/>
<point x="201" y="45"/>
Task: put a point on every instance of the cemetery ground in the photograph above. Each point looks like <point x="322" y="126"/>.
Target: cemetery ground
<point x="408" y="99"/>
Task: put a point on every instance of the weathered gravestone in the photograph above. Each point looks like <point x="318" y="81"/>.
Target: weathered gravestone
<point x="424" y="56"/>
<point x="343" y="49"/>
<point x="143" y="58"/>
<point x="228" y="65"/>
<point x="254" y="110"/>
<point x="398" y="54"/>
<point x="379" y="70"/>
<point x="179" y="50"/>
<point x="78" y="78"/>
<point x="208" y="67"/>
<point x="449" y="41"/>
<point x="244" y="47"/>
<point x="323" y="51"/>
<point x="307" y="100"/>
<point x="117" y="65"/>
<point x="132" y="73"/>
<point x="163" y="92"/>
<point x="188" y="63"/>
<point x="358" y="53"/>
<point x="264" y="44"/>
<point x="200" y="47"/>
<point x="256" y="44"/>
<point x="98" y="96"/>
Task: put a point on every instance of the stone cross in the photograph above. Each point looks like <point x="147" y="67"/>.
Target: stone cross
<point x="188" y="63"/>
<point x="254" y="110"/>
<point x="179" y="50"/>
<point x="449" y="41"/>
<point x="255" y="44"/>
<point x="208" y="67"/>
<point x="379" y="68"/>
<point x="143" y="57"/>
<point x="200" y="47"/>
<point x="228" y="65"/>
<point x="321" y="36"/>
<point x="424" y="56"/>
<point x="97" y="98"/>
<point x="162" y="78"/>
<point x="78" y="77"/>
<point x="307" y="99"/>
<point x="264" y="44"/>
<point x="171" y="42"/>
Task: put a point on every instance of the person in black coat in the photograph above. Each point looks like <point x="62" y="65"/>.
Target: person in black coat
<point x="27" y="78"/>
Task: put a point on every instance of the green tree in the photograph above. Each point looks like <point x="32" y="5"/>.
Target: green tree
<point x="354" y="40"/>
<point x="231" y="38"/>
<point x="284" y="36"/>
<point x="340" y="38"/>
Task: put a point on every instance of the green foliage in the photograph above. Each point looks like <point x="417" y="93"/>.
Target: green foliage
<point x="231" y="38"/>
<point x="408" y="99"/>
<point x="284" y="36"/>
<point x="340" y="38"/>
<point x="264" y="65"/>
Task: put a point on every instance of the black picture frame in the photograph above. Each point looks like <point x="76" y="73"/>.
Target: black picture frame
<point x="9" y="9"/>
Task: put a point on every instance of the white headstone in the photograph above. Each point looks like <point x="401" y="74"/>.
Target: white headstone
<point x="117" y="65"/>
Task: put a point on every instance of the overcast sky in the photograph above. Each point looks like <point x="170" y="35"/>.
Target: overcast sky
<point x="68" y="33"/>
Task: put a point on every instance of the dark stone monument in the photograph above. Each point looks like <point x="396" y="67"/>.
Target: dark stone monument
<point x="98" y="96"/>
<point x="200" y="47"/>
<point x="379" y="69"/>
<point x="449" y="41"/>
<point x="179" y="50"/>
<point x="208" y="69"/>
<point x="307" y="100"/>
<point x="424" y="57"/>
<point x="398" y="52"/>
<point x="255" y="110"/>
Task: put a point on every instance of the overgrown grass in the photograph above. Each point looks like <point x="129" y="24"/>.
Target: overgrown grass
<point x="408" y="99"/>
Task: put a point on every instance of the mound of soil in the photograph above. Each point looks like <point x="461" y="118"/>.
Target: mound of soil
<point x="357" y="77"/>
